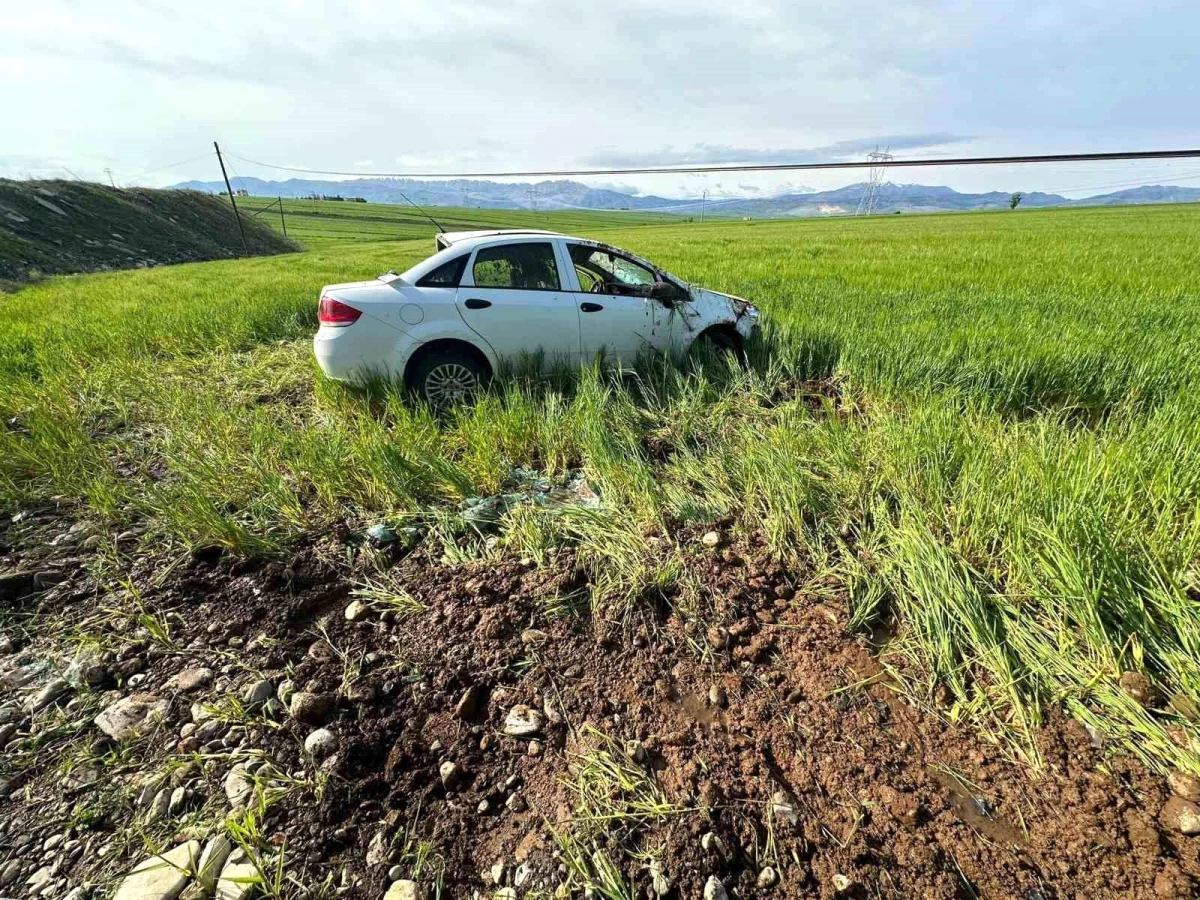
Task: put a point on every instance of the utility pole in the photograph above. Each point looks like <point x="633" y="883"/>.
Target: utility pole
<point x="281" y="221"/>
<point x="110" y="178"/>
<point x="703" y="203"/>
<point x="236" y="215"/>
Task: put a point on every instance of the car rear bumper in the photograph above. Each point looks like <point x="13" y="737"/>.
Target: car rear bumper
<point x="357" y="352"/>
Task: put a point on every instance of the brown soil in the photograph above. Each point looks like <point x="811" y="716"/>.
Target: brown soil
<point x="889" y="801"/>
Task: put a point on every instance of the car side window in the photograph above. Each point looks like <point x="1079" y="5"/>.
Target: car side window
<point x="448" y="274"/>
<point x="600" y="271"/>
<point x="529" y="267"/>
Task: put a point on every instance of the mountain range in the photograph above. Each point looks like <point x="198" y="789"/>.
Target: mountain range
<point x="560" y="195"/>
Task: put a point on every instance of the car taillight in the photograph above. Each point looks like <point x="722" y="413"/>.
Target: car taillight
<point x="335" y="312"/>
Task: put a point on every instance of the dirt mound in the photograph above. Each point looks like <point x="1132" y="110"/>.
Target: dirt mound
<point x="59" y="227"/>
<point x="482" y="729"/>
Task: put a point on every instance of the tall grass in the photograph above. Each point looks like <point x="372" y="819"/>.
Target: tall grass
<point x="1008" y="471"/>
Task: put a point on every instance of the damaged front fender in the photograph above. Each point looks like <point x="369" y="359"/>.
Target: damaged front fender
<point x="708" y="308"/>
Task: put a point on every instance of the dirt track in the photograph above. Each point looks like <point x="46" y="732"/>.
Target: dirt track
<point x="767" y="734"/>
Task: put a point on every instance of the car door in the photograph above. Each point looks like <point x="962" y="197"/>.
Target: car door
<point x="616" y="315"/>
<point x="512" y="296"/>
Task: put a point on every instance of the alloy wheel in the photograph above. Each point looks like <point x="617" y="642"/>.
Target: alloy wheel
<point x="450" y="383"/>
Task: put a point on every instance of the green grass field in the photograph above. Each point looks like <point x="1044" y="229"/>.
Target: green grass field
<point x="318" y="223"/>
<point x="1008" y="472"/>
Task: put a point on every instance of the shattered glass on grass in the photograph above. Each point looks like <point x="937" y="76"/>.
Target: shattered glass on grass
<point x="527" y="487"/>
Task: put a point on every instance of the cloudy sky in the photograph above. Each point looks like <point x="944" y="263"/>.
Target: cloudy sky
<point x="143" y="87"/>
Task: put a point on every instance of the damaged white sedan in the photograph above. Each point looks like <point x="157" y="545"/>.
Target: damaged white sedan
<point x="487" y="297"/>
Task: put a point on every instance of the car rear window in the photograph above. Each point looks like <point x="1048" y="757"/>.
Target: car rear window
<point x="529" y="267"/>
<point x="448" y="274"/>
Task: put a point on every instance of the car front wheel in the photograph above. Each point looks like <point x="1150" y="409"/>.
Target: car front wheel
<point x="718" y="343"/>
<point x="444" y="378"/>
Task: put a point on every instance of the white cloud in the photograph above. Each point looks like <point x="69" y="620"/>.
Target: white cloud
<point x="474" y="84"/>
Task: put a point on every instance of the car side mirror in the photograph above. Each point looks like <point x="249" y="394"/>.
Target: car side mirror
<point x="663" y="292"/>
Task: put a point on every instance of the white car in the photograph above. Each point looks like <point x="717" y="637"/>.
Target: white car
<point x="486" y="297"/>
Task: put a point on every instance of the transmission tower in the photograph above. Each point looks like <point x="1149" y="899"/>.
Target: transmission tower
<point x="870" y="198"/>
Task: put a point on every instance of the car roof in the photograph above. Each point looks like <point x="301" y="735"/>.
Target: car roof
<point x="450" y="238"/>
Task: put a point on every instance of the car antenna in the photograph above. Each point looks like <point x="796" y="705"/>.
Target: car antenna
<point x="422" y="212"/>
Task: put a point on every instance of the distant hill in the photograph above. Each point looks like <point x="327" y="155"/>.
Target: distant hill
<point x="458" y="192"/>
<point x="561" y="195"/>
<point x="58" y="227"/>
<point x="1147" y="193"/>
<point x="892" y="198"/>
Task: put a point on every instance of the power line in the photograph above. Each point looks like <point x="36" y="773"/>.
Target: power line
<point x="1186" y="176"/>
<point x="183" y="162"/>
<point x="762" y="167"/>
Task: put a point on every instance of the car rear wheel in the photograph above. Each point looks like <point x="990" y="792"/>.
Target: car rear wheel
<point x="443" y="378"/>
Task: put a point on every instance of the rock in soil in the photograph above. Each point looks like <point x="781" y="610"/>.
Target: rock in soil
<point x="188" y="680"/>
<point x="523" y="721"/>
<point x="1185" y="786"/>
<point x="50" y="692"/>
<point x="660" y="883"/>
<point x="311" y="709"/>
<point x="320" y="744"/>
<point x="86" y="670"/>
<point x="158" y="807"/>
<point x="259" y="692"/>
<point x="710" y="843"/>
<point x="403" y="889"/>
<point x="767" y="878"/>
<point x="160" y="877"/>
<point x="238" y="877"/>
<point x="132" y="715"/>
<point x="714" y="890"/>
<point x="783" y="810"/>
<point x="1181" y="815"/>
<point x="212" y="861"/>
<point x="239" y="785"/>
<point x="471" y="704"/>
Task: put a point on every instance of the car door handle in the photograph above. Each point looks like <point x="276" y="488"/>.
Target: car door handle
<point x="590" y="307"/>
<point x="476" y="303"/>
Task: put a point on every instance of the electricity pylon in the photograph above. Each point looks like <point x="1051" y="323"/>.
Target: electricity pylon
<point x="870" y="198"/>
